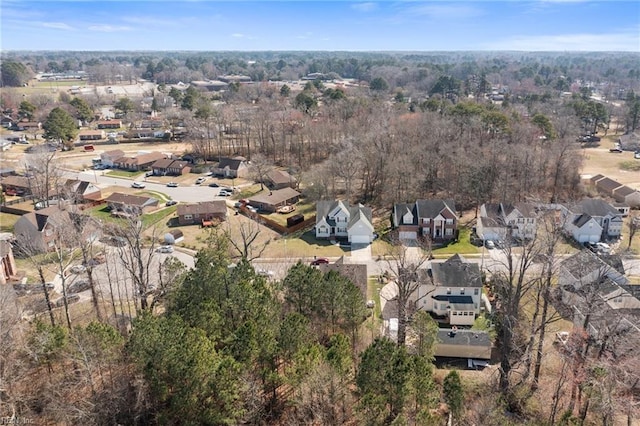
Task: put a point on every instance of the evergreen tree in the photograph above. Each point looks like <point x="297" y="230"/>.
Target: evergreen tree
<point x="60" y="126"/>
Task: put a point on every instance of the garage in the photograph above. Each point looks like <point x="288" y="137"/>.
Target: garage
<point x="360" y="239"/>
<point x="408" y="235"/>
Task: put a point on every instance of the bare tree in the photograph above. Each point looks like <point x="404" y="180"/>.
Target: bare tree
<point x="46" y="177"/>
<point x="246" y="241"/>
<point x="260" y="167"/>
<point x="403" y="263"/>
<point x="634" y="226"/>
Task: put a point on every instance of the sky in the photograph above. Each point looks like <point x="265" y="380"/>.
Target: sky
<point x="207" y="25"/>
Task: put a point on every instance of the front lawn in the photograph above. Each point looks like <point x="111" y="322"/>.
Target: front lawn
<point x="124" y="173"/>
<point x="151" y="219"/>
<point x="463" y="246"/>
<point x="304" y="245"/>
<point x="7" y="221"/>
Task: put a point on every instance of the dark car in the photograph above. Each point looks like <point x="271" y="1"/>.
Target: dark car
<point x="171" y="203"/>
<point x="78" y="286"/>
<point x="214" y="185"/>
<point x="320" y="261"/>
<point x="616" y="150"/>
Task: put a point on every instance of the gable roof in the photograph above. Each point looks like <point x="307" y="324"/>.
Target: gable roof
<point x="596" y="178"/>
<point x="594" y="207"/>
<point x="624" y="191"/>
<point x="585" y="263"/>
<point x="432" y="208"/>
<point x="607" y="184"/>
<point x="162" y="164"/>
<point x="275" y="197"/>
<point x="581" y="220"/>
<point x="113" y="154"/>
<point x="456" y="272"/>
<point x="357" y="273"/>
<point x="17" y="181"/>
<point x="215" y="207"/>
<point x="280" y="177"/>
<point x="356" y="212"/>
<point x="232" y="163"/>
<point x="400" y="209"/>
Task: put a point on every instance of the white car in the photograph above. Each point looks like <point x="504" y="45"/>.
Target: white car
<point x="165" y="249"/>
<point x="138" y="185"/>
<point x="200" y="180"/>
<point x="78" y="269"/>
<point x="265" y="273"/>
<point x="489" y="244"/>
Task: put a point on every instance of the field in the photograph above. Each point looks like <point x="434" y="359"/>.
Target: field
<point x="619" y="167"/>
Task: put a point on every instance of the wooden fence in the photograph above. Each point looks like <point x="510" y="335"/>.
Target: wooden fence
<point x="272" y="224"/>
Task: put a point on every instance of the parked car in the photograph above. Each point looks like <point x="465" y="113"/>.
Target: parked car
<point x="265" y="272"/>
<point x="200" y="180"/>
<point x="71" y="298"/>
<point x="171" y="203"/>
<point x="149" y="173"/>
<point x="172" y="184"/>
<point x="164" y="249"/>
<point x="489" y="244"/>
<point x="616" y="150"/>
<point x="214" y="185"/>
<point x="636" y="155"/>
<point x="78" y="269"/>
<point x="138" y="185"/>
<point x="320" y="261"/>
<point x="78" y="286"/>
<point x="225" y="193"/>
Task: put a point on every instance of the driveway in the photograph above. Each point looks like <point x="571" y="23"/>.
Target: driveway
<point x="360" y="253"/>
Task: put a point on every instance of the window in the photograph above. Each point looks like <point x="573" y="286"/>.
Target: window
<point x="443" y="306"/>
<point x="455" y="313"/>
<point x="530" y="220"/>
<point x="426" y="220"/>
<point x="188" y="217"/>
<point x="448" y="231"/>
<point x="448" y="291"/>
<point x="476" y="291"/>
<point x="462" y="290"/>
<point x="465" y="314"/>
<point x="449" y="221"/>
<point x="520" y="220"/>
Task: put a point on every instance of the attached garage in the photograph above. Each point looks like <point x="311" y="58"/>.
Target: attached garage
<point x="408" y="235"/>
<point x="360" y="239"/>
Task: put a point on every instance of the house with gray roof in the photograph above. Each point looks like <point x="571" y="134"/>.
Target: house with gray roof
<point x="278" y="179"/>
<point x="472" y="344"/>
<point x="356" y="273"/>
<point x="433" y="219"/>
<point x="500" y="221"/>
<point x="340" y="220"/>
<point x="231" y="167"/>
<point x="204" y="213"/>
<point x="451" y="290"/>
<point x="591" y="220"/>
<point x="132" y="205"/>
<point x="606" y="186"/>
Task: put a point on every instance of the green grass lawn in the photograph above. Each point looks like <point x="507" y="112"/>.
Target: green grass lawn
<point x="463" y="246"/>
<point x="305" y="209"/>
<point x="101" y="213"/>
<point x="124" y="173"/>
<point x="7" y="221"/>
<point x="155" y="194"/>
<point x="248" y="191"/>
<point x="155" y="217"/>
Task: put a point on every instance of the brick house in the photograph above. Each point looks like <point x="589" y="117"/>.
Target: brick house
<point x="434" y="219"/>
<point x="201" y="213"/>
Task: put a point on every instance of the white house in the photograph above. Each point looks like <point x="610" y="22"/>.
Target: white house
<point x="109" y="157"/>
<point x="452" y="290"/>
<point x="499" y="221"/>
<point x="338" y="219"/>
<point x="591" y="220"/>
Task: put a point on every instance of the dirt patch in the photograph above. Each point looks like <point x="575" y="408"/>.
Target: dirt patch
<point x="600" y="160"/>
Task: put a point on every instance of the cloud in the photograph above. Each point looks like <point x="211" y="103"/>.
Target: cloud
<point x="104" y="28"/>
<point x="590" y="42"/>
<point x="364" y="7"/>
<point x="305" y="36"/>
<point x="58" y="26"/>
<point x="444" y="11"/>
<point x="238" y="35"/>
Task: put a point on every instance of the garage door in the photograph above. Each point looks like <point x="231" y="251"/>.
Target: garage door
<point x="408" y="235"/>
<point x="363" y="239"/>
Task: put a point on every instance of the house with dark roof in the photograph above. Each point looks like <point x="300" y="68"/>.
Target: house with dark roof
<point x="606" y="186"/>
<point x="130" y="205"/>
<point x="170" y="167"/>
<point x="339" y="219"/>
<point x="451" y="290"/>
<point x="42" y="228"/>
<point x="80" y="191"/>
<point x="591" y="220"/>
<point x="20" y="184"/>
<point x="278" y="179"/>
<point x="231" y="167"/>
<point x="269" y="201"/>
<point x="627" y="195"/>
<point x="204" y="213"/>
<point x="500" y="221"/>
<point x="434" y="219"/>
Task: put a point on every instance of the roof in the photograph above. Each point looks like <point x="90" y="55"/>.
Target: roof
<point x="112" y="121"/>
<point x="130" y="200"/>
<point x="456" y="272"/>
<point x="432" y="208"/>
<point x="113" y="154"/>
<point x="457" y="303"/>
<point x="624" y="191"/>
<point x="400" y="209"/>
<point x="596" y="178"/>
<point x="162" y="164"/>
<point x="585" y="263"/>
<point x="275" y="197"/>
<point x="218" y="206"/>
<point x="280" y="177"/>
<point x="324" y="207"/>
<point x="232" y="163"/>
<point x="464" y="337"/>
<point x="607" y="184"/>
<point x="581" y="220"/>
<point x="49" y="214"/>
<point x="356" y="273"/>
<point x="17" y="181"/>
<point x="91" y="133"/>
<point x="594" y="207"/>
